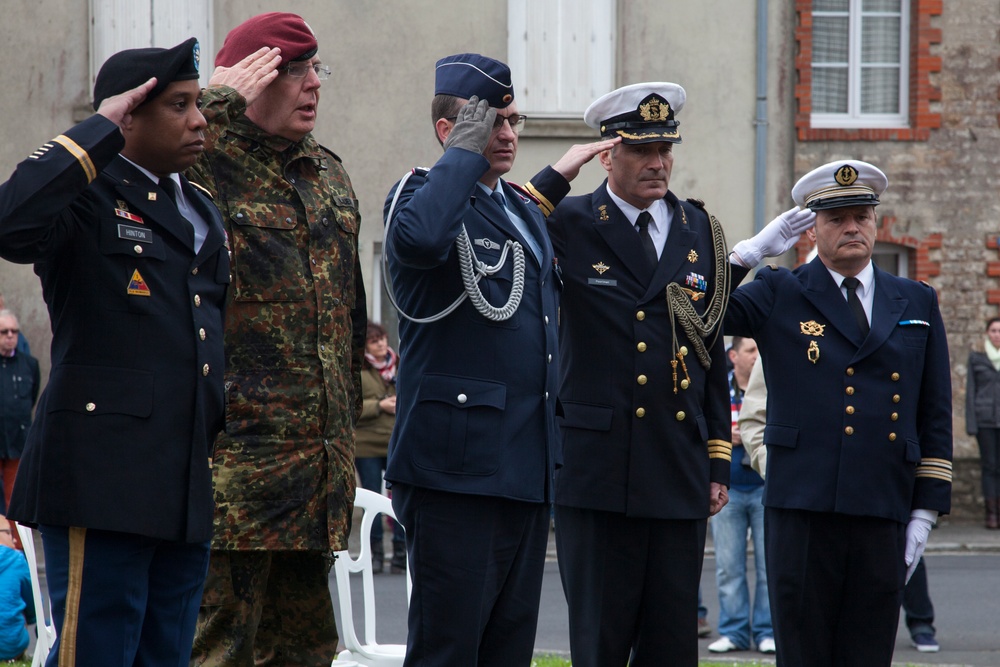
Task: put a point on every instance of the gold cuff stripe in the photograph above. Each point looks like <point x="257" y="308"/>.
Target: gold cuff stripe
<point x="927" y="474"/>
<point x="67" y="639"/>
<point x="543" y="201"/>
<point x="80" y="155"/>
<point x="720" y="449"/>
<point x="933" y="468"/>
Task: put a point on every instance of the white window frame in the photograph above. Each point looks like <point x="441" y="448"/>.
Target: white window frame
<point x="562" y="54"/>
<point x="116" y="25"/>
<point x="902" y="254"/>
<point x="854" y="118"/>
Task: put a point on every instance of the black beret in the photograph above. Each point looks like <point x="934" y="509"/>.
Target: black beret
<point x="130" y="68"/>
<point x="467" y="74"/>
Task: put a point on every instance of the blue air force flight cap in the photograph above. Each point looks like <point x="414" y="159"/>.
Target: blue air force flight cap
<point x="467" y="74"/>
<point x="127" y="69"/>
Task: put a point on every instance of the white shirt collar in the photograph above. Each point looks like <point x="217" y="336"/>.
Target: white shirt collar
<point x="866" y="277"/>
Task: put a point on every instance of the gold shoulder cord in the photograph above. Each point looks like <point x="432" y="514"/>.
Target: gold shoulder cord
<point x="699" y="328"/>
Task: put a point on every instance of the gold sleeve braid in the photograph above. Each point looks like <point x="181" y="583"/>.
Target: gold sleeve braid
<point x="80" y="154"/>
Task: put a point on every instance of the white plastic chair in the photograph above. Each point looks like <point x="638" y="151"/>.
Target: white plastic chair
<point x="370" y="653"/>
<point x="46" y="632"/>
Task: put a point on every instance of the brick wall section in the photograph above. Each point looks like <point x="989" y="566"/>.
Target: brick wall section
<point x="923" y="63"/>
<point x="944" y="184"/>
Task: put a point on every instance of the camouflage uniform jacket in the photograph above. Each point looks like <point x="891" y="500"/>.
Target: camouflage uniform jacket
<point x="295" y="327"/>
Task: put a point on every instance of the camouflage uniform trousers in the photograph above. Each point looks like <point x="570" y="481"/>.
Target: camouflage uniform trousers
<point x="266" y="608"/>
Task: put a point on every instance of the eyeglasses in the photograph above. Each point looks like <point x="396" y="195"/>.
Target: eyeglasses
<point x="301" y="69"/>
<point x="516" y="121"/>
<point x="9" y="332"/>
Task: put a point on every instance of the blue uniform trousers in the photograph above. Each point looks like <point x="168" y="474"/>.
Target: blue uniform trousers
<point x="631" y="585"/>
<point x="836" y="585"/>
<point x="120" y="599"/>
<point x="477" y="564"/>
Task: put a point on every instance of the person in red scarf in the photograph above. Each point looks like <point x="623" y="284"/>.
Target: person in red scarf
<point x="378" y="384"/>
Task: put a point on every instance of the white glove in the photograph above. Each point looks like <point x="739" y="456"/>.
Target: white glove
<point x="778" y="236"/>
<point x="917" y="530"/>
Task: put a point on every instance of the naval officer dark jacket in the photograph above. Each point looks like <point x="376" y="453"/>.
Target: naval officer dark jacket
<point x="123" y="432"/>
<point x="855" y="426"/>
<point x="475" y="409"/>
<point x="631" y="444"/>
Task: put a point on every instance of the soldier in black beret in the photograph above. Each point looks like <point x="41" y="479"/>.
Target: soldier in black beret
<point x="134" y="270"/>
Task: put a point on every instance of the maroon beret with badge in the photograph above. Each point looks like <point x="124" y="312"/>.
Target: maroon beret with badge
<point x="288" y="32"/>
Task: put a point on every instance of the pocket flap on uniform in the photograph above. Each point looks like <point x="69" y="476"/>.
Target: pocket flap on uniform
<point x="912" y="451"/>
<point x="462" y="392"/>
<point x="98" y="390"/>
<point x="587" y="415"/>
<point x="272" y="216"/>
<point x="782" y="436"/>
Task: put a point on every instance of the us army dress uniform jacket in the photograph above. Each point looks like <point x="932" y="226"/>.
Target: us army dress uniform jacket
<point x="857" y="427"/>
<point x="630" y="443"/>
<point x="123" y="432"/>
<point x="295" y="335"/>
<point x="476" y="398"/>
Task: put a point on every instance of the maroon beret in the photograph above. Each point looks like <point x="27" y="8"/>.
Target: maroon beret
<point x="288" y="32"/>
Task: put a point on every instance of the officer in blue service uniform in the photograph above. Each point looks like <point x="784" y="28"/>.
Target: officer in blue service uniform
<point x="474" y="446"/>
<point x="858" y="430"/>
<point x="134" y="270"/>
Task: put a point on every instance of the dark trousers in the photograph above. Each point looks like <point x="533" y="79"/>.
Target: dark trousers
<point x="122" y="599"/>
<point x="989" y="460"/>
<point x="476" y="563"/>
<point x="917" y="607"/>
<point x="631" y="586"/>
<point x="835" y="583"/>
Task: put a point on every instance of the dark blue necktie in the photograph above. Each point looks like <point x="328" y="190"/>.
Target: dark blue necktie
<point x="647" y="241"/>
<point x="854" y="303"/>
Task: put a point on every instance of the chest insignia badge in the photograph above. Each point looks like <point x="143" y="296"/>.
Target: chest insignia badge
<point x="812" y="328"/>
<point x="812" y="354"/>
<point x="601" y="267"/>
<point x="151" y="196"/>
<point x="137" y="285"/>
<point x="692" y="257"/>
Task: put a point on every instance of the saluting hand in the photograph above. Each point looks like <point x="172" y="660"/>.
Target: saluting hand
<point x="118" y="108"/>
<point x="580" y="154"/>
<point x="250" y="76"/>
<point x="473" y="126"/>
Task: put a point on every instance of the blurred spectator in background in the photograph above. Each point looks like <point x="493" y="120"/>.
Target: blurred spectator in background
<point x="982" y="416"/>
<point x="16" y="606"/>
<point x="19" y="383"/>
<point x="378" y="385"/>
